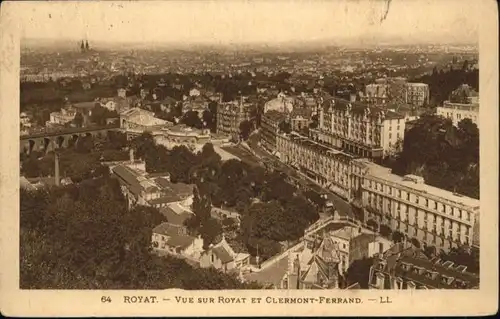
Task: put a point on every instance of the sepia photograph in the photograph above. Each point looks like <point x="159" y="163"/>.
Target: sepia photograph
<point x="214" y="146"/>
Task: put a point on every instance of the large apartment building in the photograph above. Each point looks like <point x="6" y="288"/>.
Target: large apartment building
<point x="270" y="128"/>
<point x="463" y="104"/>
<point x="396" y="91"/>
<point x="359" y="129"/>
<point x="406" y="204"/>
<point x="457" y="112"/>
<point x="428" y="214"/>
<point x="328" y="167"/>
<point x="230" y="115"/>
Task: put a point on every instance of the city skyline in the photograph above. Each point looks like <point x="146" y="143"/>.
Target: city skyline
<point x="241" y="22"/>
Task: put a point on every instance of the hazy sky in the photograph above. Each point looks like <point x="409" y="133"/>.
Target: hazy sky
<point x="250" y="21"/>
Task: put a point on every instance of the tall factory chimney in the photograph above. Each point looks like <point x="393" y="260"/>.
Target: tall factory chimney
<point x="56" y="163"/>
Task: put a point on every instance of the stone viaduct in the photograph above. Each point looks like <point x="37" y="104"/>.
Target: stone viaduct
<point x="50" y="141"/>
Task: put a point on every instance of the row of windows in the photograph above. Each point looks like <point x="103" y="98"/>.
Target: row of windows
<point x="435" y="205"/>
<point x="432" y="234"/>
<point x="424" y="224"/>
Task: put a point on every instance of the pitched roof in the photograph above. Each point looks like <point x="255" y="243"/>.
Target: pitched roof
<point x="358" y="108"/>
<point x="182" y="189"/>
<point x="222" y="254"/>
<point x="181" y="241"/>
<point x="165" y="199"/>
<point x="270" y="275"/>
<point x="174" y="217"/>
<point x="129" y="177"/>
<point x="399" y="255"/>
<point x="304" y="112"/>
<point x="162" y="229"/>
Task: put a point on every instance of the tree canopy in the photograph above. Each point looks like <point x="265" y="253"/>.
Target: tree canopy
<point x="446" y="156"/>
<point x="84" y="237"/>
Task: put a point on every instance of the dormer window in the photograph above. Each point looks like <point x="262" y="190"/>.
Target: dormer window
<point x="431" y="274"/>
<point x="447" y="280"/>
<point x="419" y="270"/>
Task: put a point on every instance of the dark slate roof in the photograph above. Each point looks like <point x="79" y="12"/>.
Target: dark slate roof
<point x="305" y="112"/>
<point x="162" y="229"/>
<point x="222" y="254"/>
<point x="165" y="199"/>
<point x="173" y="217"/>
<point x="398" y="255"/>
<point x="180" y="241"/>
<point x="182" y="189"/>
<point x="275" y="115"/>
<point x="129" y="177"/>
<point x="358" y="108"/>
<point x="163" y="182"/>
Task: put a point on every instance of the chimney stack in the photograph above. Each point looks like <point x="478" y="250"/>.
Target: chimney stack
<point x="131" y="152"/>
<point x="352" y="97"/>
<point x="57" y="178"/>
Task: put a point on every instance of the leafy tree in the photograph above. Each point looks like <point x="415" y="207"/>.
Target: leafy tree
<point x="209" y="120"/>
<point x="143" y="144"/>
<point x="385" y="231"/>
<point x="72" y="241"/>
<point x="192" y="119"/>
<point x="78" y="120"/>
<point x="202" y="222"/>
<point x="397" y="237"/>
<point x="116" y="140"/>
<point x="446" y="156"/>
<point x="84" y="144"/>
<point x="245" y="129"/>
<point x="430" y="251"/>
<point x="101" y="114"/>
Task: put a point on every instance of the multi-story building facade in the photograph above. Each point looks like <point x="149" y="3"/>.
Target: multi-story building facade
<point x="270" y="128"/>
<point x="359" y="129"/>
<point x="431" y="215"/>
<point x="463" y="104"/>
<point x="182" y="135"/>
<point x="300" y="118"/>
<point x="66" y="115"/>
<point x="396" y="91"/>
<point x="417" y="94"/>
<point x="328" y="167"/>
<point x="376" y="94"/>
<point x="230" y="115"/>
<point x="406" y="204"/>
<point x="137" y="120"/>
<point x="457" y="112"/>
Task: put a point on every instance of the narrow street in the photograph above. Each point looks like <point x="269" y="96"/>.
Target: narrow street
<point x="342" y="206"/>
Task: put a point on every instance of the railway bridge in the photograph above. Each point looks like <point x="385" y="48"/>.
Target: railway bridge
<point x="52" y="140"/>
